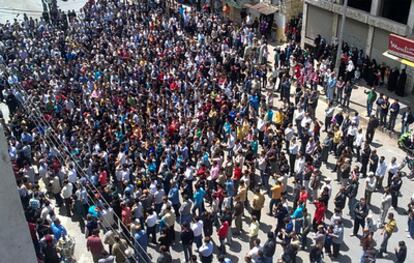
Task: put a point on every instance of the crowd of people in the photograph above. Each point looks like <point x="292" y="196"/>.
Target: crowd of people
<point x="155" y="126"/>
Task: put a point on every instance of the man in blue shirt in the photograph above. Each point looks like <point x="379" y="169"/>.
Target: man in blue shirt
<point x="229" y="184"/>
<point x="141" y="244"/>
<point x="198" y="200"/>
<point x="394" y="110"/>
<point x="58" y="230"/>
<point x="173" y="196"/>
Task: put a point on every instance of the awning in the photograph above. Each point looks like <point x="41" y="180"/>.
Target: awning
<point x="233" y="3"/>
<point x="401" y="60"/>
<point x="265" y="9"/>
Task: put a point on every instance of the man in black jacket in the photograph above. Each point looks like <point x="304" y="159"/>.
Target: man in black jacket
<point x="373" y="124"/>
<point x="365" y="154"/>
<point x="352" y="191"/>
<point x="361" y="212"/>
<point x="401" y="252"/>
<point x="269" y="248"/>
<point x="395" y="187"/>
<point x="340" y="199"/>
<point x="187" y="239"/>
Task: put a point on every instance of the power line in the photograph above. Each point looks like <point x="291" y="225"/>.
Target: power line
<point x="55" y="144"/>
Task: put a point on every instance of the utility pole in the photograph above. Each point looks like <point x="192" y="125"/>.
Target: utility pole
<point x="341" y="37"/>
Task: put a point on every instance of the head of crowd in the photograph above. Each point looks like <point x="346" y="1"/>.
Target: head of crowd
<point x="140" y="120"/>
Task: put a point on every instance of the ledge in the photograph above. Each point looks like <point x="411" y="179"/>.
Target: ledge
<point x="362" y="16"/>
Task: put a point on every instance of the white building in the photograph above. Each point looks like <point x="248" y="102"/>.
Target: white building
<point x="368" y="25"/>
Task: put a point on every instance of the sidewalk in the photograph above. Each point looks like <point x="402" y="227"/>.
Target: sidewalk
<point x="358" y="104"/>
<point x="359" y="98"/>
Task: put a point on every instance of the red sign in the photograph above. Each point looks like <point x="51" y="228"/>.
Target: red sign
<point x="401" y="47"/>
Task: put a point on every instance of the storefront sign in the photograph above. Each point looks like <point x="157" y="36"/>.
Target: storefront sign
<point x="401" y="47"/>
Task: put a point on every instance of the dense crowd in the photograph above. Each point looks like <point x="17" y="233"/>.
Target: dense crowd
<point x="151" y="125"/>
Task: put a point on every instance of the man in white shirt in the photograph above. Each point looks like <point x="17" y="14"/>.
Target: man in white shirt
<point x="254" y="252"/>
<point x="329" y="113"/>
<point x="66" y="194"/>
<point x="370" y="186"/>
<point x="392" y="170"/>
<point x="300" y="164"/>
<point x="151" y="223"/>
<point x="206" y="250"/>
<point x="380" y="172"/>
<point x="385" y="205"/>
<point x="197" y="227"/>
<point x="72" y="175"/>
<point x="350" y="135"/>
<point x="107" y="217"/>
<point x="289" y="133"/>
<point x="299" y="114"/>
<point x="358" y="141"/>
<point x="307" y="120"/>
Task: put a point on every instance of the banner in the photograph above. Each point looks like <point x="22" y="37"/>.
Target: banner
<point x="401" y="47"/>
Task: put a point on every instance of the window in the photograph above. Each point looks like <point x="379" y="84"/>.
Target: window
<point x="396" y="10"/>
<point x="364" y="5"/>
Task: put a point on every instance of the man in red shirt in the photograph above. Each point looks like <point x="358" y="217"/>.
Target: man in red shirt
<point x="95" y="246"/>
<point x="319" y="215"/>
<point x="222" y="234"/>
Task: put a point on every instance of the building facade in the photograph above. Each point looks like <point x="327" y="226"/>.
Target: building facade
<point x="368" y="25"/>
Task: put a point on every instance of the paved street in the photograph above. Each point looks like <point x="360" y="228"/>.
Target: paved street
<point x="350" y="250"/>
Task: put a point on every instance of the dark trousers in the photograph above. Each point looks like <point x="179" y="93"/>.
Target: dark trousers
<point x="364" y="163"/>
<point x="292" y="161"/>
<point x="177" y="209"/>
<point x="272" y="203"/>
<point x="390" y="175"/>
<point x="358" y="222"/>
<point x="152" y="231"/>
<point x="304" y="240"/>
<point x="335" y="249"/>
<point x="370" y="135"/>
<point x="171" y="234"/>
<point x="222" y="248"/>
<point x="68" y="203"/>
<point x="327" y="123"/>
<point x="257" y="213"/>
<point x="59" y="199"/>
<point x="394" y="199"/>
<point x="208" y="259"/>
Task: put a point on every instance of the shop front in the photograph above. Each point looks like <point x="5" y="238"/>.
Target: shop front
<point x="401" y="49"/>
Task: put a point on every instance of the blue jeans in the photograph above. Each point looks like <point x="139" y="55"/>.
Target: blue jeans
<point x="198" y="241"/>
<point x="199" y="207"/>
<point x="405" y="127"/>
<point x="267" y="259"/>
<point x="369" y="107"/>
<point x="411" y="227"/>
<point x="185" y="219"/>
<point x="351" y="205"/>
<point x="188" y="252"/>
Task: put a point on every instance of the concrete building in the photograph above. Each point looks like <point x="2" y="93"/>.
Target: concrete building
<point x="277" y="12"/>
<point x="368" y="26"/>
<point x="16" y="243"/>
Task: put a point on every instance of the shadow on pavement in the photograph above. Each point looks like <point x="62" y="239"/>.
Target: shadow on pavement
<point x="235" y="246"/>
<point x="347" y="223"/>
<point x="342" y="259"/>
<point x="375" y="209"/>
<point x="344" y="247"/>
